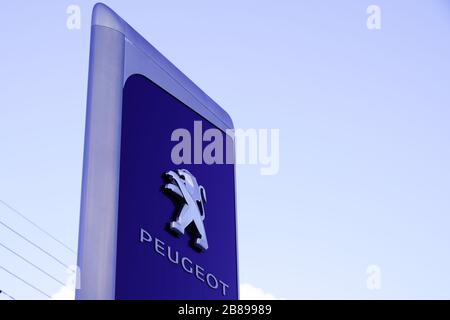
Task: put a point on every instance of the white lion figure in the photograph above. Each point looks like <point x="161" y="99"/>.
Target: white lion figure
<point x="184" y="185"/>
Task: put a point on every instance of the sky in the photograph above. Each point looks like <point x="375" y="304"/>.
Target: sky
<point x="359" y="207"/>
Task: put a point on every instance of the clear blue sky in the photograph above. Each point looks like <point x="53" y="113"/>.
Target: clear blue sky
<point x="363" y="116"/>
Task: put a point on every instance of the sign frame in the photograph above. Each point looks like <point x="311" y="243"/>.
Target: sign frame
<point x="118" y="51"/>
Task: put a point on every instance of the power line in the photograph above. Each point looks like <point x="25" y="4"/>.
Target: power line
<point x="35" y="245"/>
<point x="31" y="263"/>
<point x="26" y="282"/>
<point x="7" y="294"/>
<point x="36" y="226"/>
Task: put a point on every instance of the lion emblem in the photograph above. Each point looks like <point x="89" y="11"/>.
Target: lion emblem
<point x="185" y="187"/>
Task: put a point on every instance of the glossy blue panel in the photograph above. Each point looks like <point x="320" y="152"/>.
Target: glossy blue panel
<point x="150" y="115"/>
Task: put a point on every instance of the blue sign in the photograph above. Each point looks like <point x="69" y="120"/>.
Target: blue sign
<point x="155" y="260"/>
<point x="153" y="227"/>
